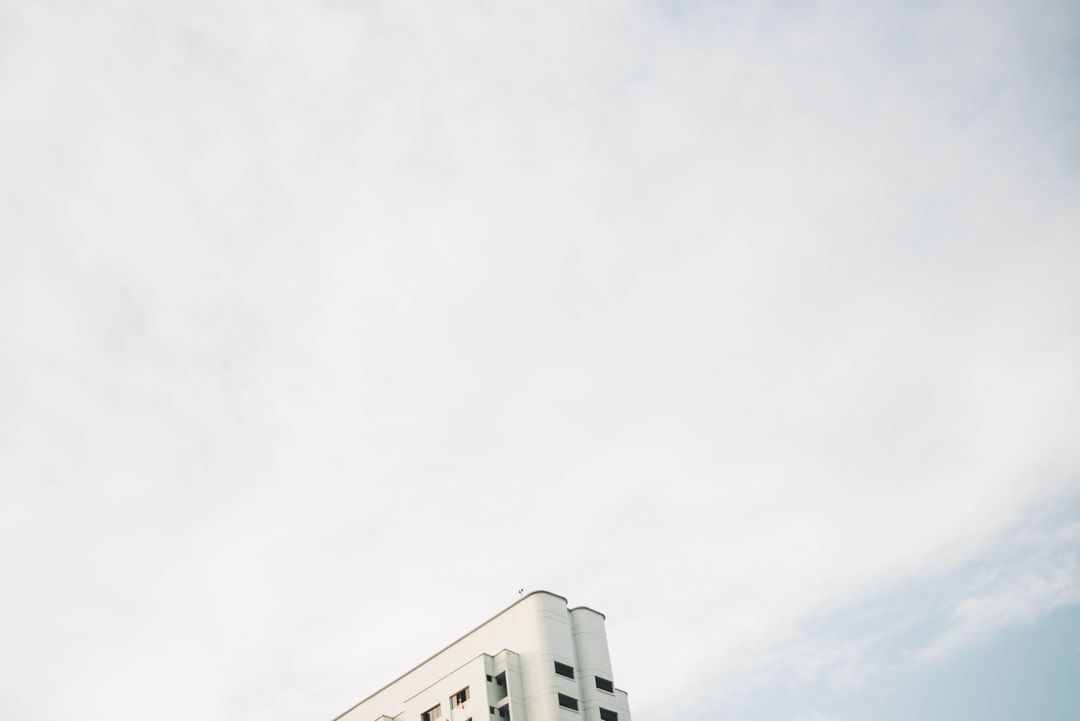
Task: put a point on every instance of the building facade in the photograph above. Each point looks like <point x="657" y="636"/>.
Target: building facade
<point x="537" y="660"/>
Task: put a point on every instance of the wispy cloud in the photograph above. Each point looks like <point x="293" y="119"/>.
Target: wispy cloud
<point x="925" y="620"/>
<point x="1044" y="580"/>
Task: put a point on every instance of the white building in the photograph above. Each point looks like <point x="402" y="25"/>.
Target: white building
<point x="535" y="661"/>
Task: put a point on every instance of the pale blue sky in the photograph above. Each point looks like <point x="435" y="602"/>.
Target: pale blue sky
<point x="1025" y="669"/>
<point x="1028" y="671"/>
<point x="754" y="325"/>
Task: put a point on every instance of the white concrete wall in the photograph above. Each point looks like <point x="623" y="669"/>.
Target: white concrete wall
<point x="524" y="641"/>
<point x="590" y="645"/>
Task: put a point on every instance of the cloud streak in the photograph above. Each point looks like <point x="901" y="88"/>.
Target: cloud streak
<point x="1047" y="580"/>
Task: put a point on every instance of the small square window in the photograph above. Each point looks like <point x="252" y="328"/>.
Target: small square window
<point x="604" y="685"/>
<point x="568" y="702"/>
<point x="606" y="715"/>
<point x="489" y="678"/>
<point x="432" y="714"/>
<point x="563" y="670"/>
<point x="504" y="711"/>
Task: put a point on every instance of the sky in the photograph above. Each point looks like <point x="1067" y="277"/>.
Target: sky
<point x="326" y="326"/>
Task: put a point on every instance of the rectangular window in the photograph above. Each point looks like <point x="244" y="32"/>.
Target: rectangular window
<point x="500" y="680"/>
<point x="604" y="685"/>
<point x="432" y="714"/>
<point x="563" y="670"/>
<point x="504" y="711"/>
<point x="490" y="679"/>
<point x="606" y="715"/>
<point x="458" y="700"/>
<point x="491" y="710"/>
<point x="568" y="702"/>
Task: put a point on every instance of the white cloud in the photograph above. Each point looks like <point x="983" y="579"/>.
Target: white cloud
<point x="1018" y="580"/>
<point x="747" y="315"/>
<point x="1046" y="580"/>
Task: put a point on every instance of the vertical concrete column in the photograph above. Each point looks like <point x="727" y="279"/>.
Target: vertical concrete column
<point x="593" y="659"/>
<point x="551" y="641"/>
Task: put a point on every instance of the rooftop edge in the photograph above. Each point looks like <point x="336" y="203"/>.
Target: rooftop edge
<point x="459" y="638"/>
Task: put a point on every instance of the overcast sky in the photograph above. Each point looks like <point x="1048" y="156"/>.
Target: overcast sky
<point x="326" y="326"/>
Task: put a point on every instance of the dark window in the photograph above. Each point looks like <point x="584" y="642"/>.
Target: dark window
<point x="568" y="702"/>
<point x="491" y="710"/>
<point x="501" y="679"/>
<point x="490" y="679"/>
<point x="563" y="670"/>
<point x="606" y="715"/>
<point x="604" y="685"/>
<point x="432" y="713"/>
<point x="504" y="711"/>
<point x="458" y="700"/>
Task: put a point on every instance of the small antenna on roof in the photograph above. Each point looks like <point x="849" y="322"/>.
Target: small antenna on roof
<point x="521" y="591"/>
